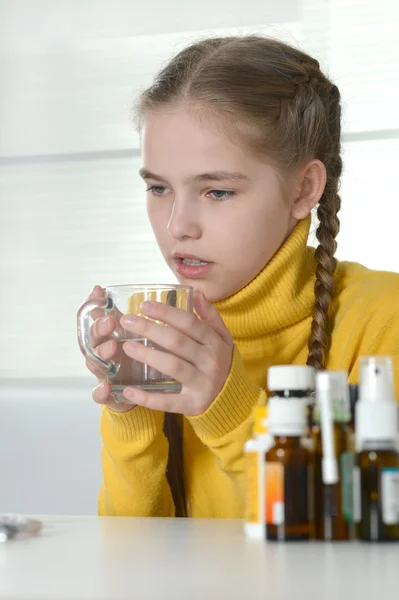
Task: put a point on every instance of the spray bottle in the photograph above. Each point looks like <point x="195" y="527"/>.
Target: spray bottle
<point x="333" y="458"/>
<point x="376" y="476"/>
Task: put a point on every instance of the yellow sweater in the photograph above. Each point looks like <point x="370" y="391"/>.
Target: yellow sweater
<point x="270" y="322"/>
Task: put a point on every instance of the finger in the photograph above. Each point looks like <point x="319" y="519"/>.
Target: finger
<point x="107" y="351"/>
<point x="168" y="338"/>
<point x="210" y="315"/>
<point x="172" y="403"/>
<point x="165" y="363"/>
<point x="97" y="292"/>
<point x="94" y="369"/>
<point x="100" y="313"/>
<point x="101" y="329"/>
<point x="102" y="395"/>
<point x="181" y="320"/>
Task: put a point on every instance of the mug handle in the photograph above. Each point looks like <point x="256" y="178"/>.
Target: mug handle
<point x="109" y="369"/>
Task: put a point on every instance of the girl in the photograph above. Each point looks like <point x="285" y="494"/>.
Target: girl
<point x="240" y="141"/>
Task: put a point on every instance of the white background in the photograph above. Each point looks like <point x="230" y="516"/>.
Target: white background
<point x="72" y="204"/>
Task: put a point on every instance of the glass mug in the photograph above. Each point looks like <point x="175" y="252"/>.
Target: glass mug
<point x="119" y="300"/>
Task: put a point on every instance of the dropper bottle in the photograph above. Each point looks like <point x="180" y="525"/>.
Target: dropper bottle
<point x="333" y="458"/>
<point x="376" y="478"/>
<point x="287" y="462"/>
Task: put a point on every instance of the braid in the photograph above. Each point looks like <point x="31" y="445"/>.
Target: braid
<point x="316" y="95"/>
<point x="324" y="287"/>
<point x="329" y="206"/>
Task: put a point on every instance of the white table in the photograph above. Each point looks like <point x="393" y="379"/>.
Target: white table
<point x="124" y="558"/>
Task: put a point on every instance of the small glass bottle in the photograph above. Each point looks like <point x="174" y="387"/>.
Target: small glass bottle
<point x="376" y="476"/>
<point x="287" y="462"/>
<point x="254" y="455"/>
<point x="333" y="458"/>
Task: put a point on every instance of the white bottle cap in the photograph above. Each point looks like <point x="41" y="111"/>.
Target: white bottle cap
<point x="287" y="416"/>
<point x="376" y="412"/>
<point x="291" y="377"/>
<point x="376" y="379"/>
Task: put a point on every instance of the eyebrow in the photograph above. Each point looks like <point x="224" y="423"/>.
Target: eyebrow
<point x="211" y="176"/>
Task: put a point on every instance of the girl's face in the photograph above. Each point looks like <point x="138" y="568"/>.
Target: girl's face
<point x="218" y="213"/>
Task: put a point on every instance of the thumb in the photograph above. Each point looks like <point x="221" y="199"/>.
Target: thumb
<point x="210" y="315"/>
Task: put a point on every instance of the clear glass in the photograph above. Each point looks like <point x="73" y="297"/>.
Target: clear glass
<point x="121" y="300"/>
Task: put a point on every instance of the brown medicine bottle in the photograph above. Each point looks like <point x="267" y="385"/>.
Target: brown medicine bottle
<point x="376" y="476"/>
<point x="287" y="462"/>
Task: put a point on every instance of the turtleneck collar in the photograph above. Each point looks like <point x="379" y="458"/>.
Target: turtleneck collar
<point x="280" y="295"/>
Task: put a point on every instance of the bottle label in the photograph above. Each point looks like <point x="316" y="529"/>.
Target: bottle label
<point x="252" y="488"/>
<point x="341" y="411"/>
<point x="357" y="509"/>
<point x="347" y="461"/>
<point x="274" y="490"/>
<point x="390" y="496"/>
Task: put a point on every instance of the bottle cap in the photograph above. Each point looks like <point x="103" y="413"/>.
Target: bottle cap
<point x="287" y="416"/>
<point x="291" y="377"/>
<point x="376" y="379"/>
<point x="376" y="412"/>
<point x="260" y="417"/>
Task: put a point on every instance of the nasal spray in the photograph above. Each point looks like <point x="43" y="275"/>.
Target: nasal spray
<point x="376" y="476"/>
<point x="333" y="458"/>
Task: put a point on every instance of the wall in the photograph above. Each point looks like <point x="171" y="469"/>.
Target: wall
<point x="49" y="448"/>
<point x="72" y="205"/>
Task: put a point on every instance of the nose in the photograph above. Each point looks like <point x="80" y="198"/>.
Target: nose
<point x="184" y="221"/>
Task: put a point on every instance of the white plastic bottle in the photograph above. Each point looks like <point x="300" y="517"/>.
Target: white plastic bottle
<point x="254" y="453"/>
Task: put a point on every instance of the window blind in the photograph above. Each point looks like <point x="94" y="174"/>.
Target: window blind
<point x="72" y="205"/>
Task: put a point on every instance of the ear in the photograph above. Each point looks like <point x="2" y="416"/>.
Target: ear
<point x="310" y="187"/>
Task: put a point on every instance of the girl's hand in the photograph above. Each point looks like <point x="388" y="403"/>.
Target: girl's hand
<point x="197" y="353"/>
<point x="106" y="348"/>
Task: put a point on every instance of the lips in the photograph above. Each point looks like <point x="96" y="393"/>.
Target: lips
<point x="182" y="256"/>
<point x="191" y="270"/>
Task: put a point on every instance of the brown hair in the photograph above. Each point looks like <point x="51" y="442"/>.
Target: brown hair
<point x="282" y="106"/>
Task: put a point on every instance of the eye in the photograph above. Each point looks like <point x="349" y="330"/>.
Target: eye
<point x="221" y="194"/>
<point x="157" y="190"/>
